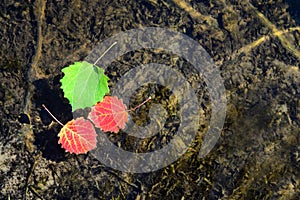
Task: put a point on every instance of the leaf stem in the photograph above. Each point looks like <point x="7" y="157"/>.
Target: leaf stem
<point x="132" y="109"/>
<point x="52" y="115"/>
<point x="111" y="46"/>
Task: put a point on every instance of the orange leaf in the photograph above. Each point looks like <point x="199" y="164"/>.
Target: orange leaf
<point x="109" y="115"/>
<point x="78" y="136"/>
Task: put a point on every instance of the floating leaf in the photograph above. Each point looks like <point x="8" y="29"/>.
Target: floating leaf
<point x="109" y="115"/>
<point x="84" y="84"/>
<point x="78" y="136"/>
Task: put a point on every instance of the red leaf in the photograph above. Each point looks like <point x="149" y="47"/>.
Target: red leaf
<point x="109" y="115"/>
<point x="78" y="136"/>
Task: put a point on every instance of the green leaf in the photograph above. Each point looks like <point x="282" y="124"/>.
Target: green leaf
<point x="84" y="84"/>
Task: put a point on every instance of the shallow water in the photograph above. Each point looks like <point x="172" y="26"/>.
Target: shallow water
<point x="253" y="44"/>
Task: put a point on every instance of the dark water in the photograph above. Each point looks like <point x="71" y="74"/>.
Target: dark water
<point x="294" y="9"/>
<point x="257" y="155"/>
